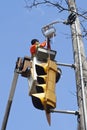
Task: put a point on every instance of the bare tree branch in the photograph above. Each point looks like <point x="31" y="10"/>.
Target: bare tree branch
<point x="60" y="5"/>
<point x="36" y="3"/>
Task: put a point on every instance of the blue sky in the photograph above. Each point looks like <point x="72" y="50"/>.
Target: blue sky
<point x="18" y="26"/>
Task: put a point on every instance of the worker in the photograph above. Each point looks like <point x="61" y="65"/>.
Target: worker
<point x="33" y="49"/>
<point x="35" y="44"/>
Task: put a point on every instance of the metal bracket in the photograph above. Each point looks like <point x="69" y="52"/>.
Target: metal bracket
<point x="65" y="112"/>
<point x="67" y="65"/>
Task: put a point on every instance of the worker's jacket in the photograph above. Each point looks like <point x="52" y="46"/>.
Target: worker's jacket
<point x="33" y="48"/>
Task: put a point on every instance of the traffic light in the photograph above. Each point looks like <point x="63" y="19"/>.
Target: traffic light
<point x="45" y="97"/>
<point x="38" y="98"/>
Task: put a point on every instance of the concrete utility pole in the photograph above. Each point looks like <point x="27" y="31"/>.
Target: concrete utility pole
<point x="81" y="68"/>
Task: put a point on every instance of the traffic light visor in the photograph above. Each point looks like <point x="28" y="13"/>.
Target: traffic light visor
<point x="40" y="88"/>
<point x="41" y="69"/>
<point x="38" y="100"/>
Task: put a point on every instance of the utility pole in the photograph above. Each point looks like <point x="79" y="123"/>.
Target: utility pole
<point x="81" y="68"/>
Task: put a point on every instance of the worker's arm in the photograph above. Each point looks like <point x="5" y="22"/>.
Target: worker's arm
<point x="43" y="44"/>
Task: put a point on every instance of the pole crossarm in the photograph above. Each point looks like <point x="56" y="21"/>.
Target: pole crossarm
<point x="65" y="112"/>
<point x="67" y="65"/>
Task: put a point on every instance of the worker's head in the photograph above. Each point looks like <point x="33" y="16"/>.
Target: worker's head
<point x="34" y="41"/>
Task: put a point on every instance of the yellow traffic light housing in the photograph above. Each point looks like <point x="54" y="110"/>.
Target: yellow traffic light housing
<point x="45" y="97"/>
<point x="45" y="87"/>
<point x="51" y="80"/>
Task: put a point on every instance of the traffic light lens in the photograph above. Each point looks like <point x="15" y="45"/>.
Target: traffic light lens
<point x="40" y="80"/>
<point x="39" y="89"/>
<point x="37" y="103"/>
<point x="40" y="70"/>
<point x="38" y="100"/>
<point x="58" y="74"/>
